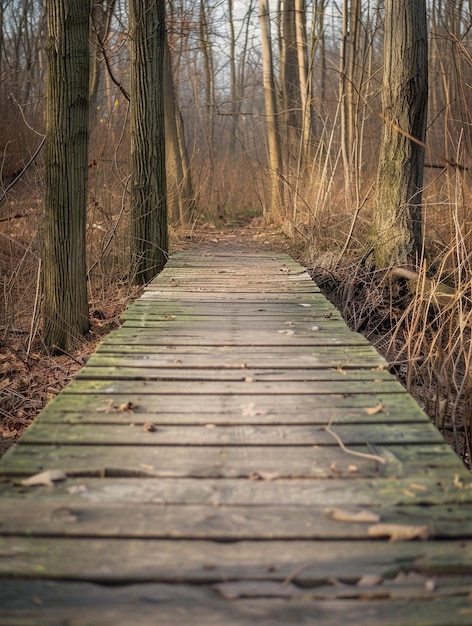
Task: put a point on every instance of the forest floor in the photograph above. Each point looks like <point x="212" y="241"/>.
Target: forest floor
<point x="29" y="378"/>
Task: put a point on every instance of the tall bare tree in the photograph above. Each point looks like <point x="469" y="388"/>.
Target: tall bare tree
<point x="290" y="79"/>
<point x="180" y="195"/>
<point x="272" y="122"/>
<point x="147" y="127"/>
<point x="398" y="215"/>
<point x="65" y="306"/>
<point x="101" y="16"/>
<point x="351" y="85"/>
<point x="209" y="72"/>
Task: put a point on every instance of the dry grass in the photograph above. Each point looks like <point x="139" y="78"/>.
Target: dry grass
<point x="420" y="320"/>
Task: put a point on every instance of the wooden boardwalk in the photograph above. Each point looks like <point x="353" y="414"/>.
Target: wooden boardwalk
<point x="235" y="455"/>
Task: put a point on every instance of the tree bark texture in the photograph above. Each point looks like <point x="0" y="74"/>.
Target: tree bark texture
<point x="272" y="125"/>
<point x="65" y="305"/>
<point x="290" y="81"/>
<point x="397" y="223"/>
<point x="147" y="123"/>
<point x="180" y="196"/>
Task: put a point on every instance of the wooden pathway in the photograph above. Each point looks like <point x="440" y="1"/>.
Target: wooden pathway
<point x="235" y="455"/>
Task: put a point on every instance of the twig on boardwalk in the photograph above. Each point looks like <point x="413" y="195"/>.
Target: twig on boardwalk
<point x="363" y="455"/>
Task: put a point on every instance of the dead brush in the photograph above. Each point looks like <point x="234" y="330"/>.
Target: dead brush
<point x="422" y="327"/>
<point x="433" y="338"/>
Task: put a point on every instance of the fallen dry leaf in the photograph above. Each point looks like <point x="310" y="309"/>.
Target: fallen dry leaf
<point x="399" y="532"/>
<point x="264" y="476"/>
<point x="125" y="407"/>
<point x="352" y="469"/>
<point x="121" y="408"/>
<point x="47" y="478"/>
<point x="380" y="408"/>
<point x="369" y="580"/>
<point x="149" y="427"/>
<point x="363" y="516"/>
<point x="459" y="483"/>
<point x="418" y="487"/>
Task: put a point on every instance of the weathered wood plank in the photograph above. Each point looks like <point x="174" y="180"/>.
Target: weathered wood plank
<point x="240" y="359"/>
<point x="225" y="462"/>
<point x="247" y="375"/>
<point x="380" y="385"/>
<point x="259" y="295"/>
<point x="360" y="357"/>
<point x="66" y="517"/>
<point x="305" y="562"/>
<point x="273" y="604"/>
<point x="130" y="407"/>
<point x="135" y="336"/>
<point x="159" y="313"/>
<point x="317" y="307"/>
<point x="420" y="489"/>
<point x="153" y="433"/>
<point x="266" y="327"/>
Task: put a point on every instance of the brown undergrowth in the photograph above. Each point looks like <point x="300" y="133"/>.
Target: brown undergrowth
<point x="29" y="378"/>
<point x="423" y="329"/>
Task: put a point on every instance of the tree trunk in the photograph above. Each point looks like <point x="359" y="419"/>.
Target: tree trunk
<point x="273" y="137"/>
<point x="65" y="306"/>
<point x="209" y="71"/>
<point x="180" y="196"/>
<point x="351" y="86"/>
<point x="101" y="15"/>
<point x="306" y="94"/>
<point x="290" y="82"/>
<point x="148" y="176"/>
<point x="397" y="223"/>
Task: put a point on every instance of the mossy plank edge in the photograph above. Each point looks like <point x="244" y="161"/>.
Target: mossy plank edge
<point x="180" y="313"/>
<point x="222" y="326"/>
<point x="167" y="363"/>
<point x="126" y="405"/>
<point x="243" y="388"/>
<point x="257" y="295"/>
<point x="212" y="434"/>
<point x="248" y="375"/>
